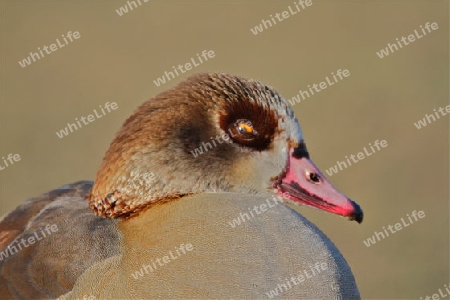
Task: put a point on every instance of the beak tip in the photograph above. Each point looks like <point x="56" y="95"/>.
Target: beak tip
<point x="357" y="214"/>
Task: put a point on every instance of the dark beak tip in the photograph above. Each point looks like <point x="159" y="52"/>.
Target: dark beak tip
<point x="359" y="217"/>
<point x="358" y="214"/>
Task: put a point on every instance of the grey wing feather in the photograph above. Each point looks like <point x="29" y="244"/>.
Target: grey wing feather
<point x="49" y="267"/>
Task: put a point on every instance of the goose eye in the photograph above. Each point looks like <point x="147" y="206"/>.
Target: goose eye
<point x="245" y="127"/>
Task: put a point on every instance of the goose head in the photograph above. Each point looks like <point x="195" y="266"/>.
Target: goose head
<point x="212" y="133"/>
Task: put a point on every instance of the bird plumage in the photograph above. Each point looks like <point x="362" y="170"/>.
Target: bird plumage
<point x="152" y="195"/>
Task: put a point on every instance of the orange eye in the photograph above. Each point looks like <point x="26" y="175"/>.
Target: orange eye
<point x="245" y="128"/>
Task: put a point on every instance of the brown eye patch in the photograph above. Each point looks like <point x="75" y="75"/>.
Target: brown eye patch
<point x="249" y="124"/>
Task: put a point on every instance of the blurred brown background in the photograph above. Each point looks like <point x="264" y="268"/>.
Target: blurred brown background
<point x="118" y="57"/>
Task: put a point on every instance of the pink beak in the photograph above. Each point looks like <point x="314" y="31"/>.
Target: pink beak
<point x="304" y="183"/>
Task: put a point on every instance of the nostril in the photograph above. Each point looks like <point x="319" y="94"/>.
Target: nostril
<point x="314" y="177"/>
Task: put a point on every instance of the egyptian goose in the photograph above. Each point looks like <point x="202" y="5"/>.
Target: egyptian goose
<point x="163" y="220"/>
